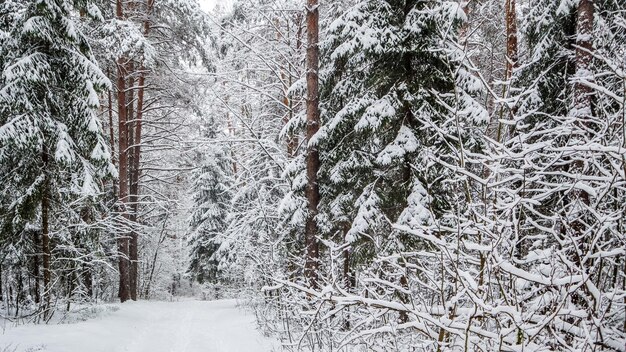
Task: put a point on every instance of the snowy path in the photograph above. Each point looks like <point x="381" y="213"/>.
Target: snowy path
<point x="188" y="326"/>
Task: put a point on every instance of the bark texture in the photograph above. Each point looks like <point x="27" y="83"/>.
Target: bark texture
<point x="312" y="156"/>
<point x="122" y="242"/>
<point x="135" y="170"/>
<point x="511" y="37"/>
<point x="45" y="237"/>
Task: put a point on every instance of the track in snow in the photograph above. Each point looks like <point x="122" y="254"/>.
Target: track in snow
<point x="187" y="326"/>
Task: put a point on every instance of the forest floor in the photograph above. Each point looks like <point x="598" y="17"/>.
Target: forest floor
<point x="146" y="326"/>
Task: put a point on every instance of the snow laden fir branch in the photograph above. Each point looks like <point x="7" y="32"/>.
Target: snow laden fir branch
<point x="469" y="199"/>
<point x="88" y="152"/>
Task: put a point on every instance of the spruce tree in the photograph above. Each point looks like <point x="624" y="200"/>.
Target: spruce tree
<point x="398" y="106"/>
<point x="212" y="196"/>
<point x="399" y="118"/>
<point x="52" y="150"/>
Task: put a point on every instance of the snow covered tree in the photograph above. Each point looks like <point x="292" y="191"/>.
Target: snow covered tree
<point x="456" y="181"/>
<point x="253" y="99"/>
<point x="399" y="117"/>
<point x="50" y="130"/>
<point x="561" y="186"/>
<point x="148" y="48"/>
<point x="212" y="186"/>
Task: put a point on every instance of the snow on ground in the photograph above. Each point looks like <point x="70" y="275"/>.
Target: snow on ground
<point x="147" y="326"/>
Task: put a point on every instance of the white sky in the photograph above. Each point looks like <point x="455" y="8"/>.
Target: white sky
<point x="208" y="5"/>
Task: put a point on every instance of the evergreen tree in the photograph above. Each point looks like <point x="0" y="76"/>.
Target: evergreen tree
<point x="255" y="247"/>
<point x="52" y="151"/>
<point x="212" y="197"/>
<point x="399" y="118"/>
<point x="398" y="108"/>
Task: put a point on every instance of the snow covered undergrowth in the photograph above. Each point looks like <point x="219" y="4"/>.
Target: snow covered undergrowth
<point x="186" y="326"/>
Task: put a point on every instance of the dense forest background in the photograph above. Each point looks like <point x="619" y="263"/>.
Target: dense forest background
<point x="370" y="175"/>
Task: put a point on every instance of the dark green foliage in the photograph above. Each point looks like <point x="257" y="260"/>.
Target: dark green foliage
<point x="51" y="140"/>
<point x="396" y="96"/>
<point x="212" y="196"/>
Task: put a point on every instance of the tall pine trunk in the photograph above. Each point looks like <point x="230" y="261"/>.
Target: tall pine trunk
<point x="135" y="171"/>
<point x="45" y="236"/>
<point x="312" y="157"/>
<point x="134" y="190"/>
<point x="35" y="265"/>
<point x="132" y="193"/>
<point x="511" y="37"/>
<point x="123" y="250"/>
<point x="122" y="242"/>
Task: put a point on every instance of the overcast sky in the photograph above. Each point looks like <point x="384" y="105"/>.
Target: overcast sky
<point x="208" y="5"/>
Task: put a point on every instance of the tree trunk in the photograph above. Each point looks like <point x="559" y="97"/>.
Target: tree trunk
<point x="123" y="185"/>
<point x="580" y="199"/>
<point x="45" y="236"/>
<point x="293" y="138"/>
<point x="348" y="279"/>
<point x="132" y="193"/>
<point x="231" y="133"/>
<point x="123" y="250"/>
<point x="35" y="266"/>
<point x="495" y="128"/>
<point x="111" y="133"/>
<point x="134" y="190"/>
<point x="111" y="136"/>
<point x="122" y="242"/>
<point x="286" y="82"/>
<point x="581" y="106"/>
<point x="511" y="37"/>
<point x="123" y="128"/>
<point x="584" y="35"/>
<point x="70" y="287"/>
<point x="623" y="290"/>
<point x="312" y="157"/>
<point x="162" y="237"/>
<point x="135" y="171"/>
<point x="88" y="279"/>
